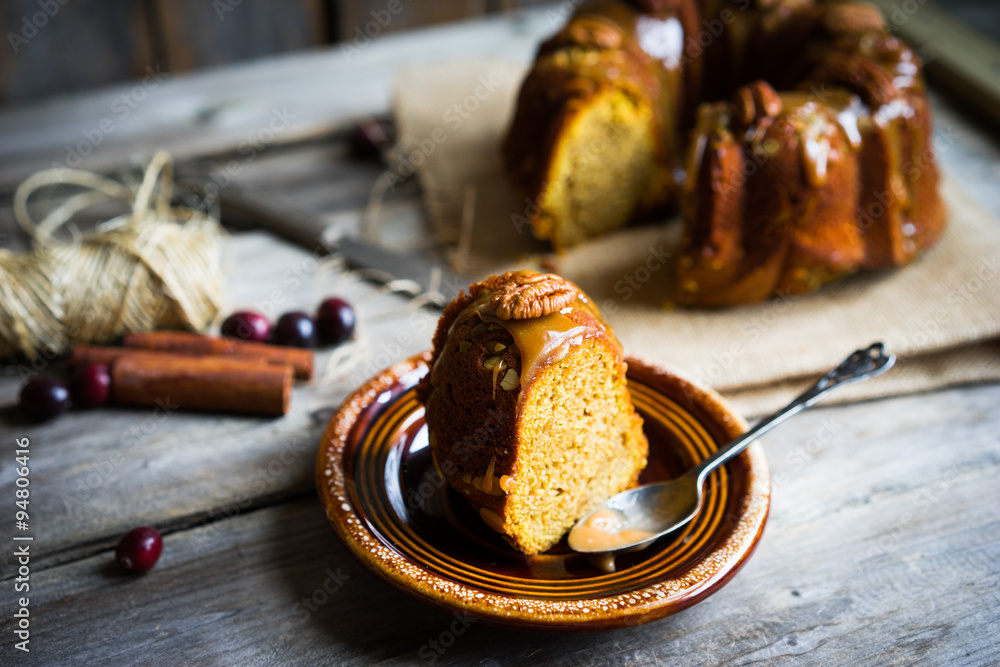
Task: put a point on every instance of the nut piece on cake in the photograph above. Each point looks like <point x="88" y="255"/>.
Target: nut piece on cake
<point x="527" y="406"/>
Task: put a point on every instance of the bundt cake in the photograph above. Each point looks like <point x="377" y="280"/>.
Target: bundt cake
<point x="780" y="191"/>
<point x="527" y="408"/>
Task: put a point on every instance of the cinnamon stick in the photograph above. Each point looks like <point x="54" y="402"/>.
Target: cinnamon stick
<point x="216" y="384"/>
<point x="100" y="354"/>
<point x="183" y="342"/>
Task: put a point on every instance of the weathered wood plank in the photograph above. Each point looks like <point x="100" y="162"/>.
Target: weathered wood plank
<point x="96" y="473"/>
<point x="105" y="475"/>
<point x="56" y="48"/>
<point x="958" y="58"/>
<point x="319" y="178"/>
<point x="302" y="95"/>
<point x="977" y="14"/>
<point x="883" y="538"/>
<point x="360" y="21"/>
<point x="196" y="34"/>
<point x="317" y="93"/>
<point x="91" y="511"/>
<point x="881" y="549"/>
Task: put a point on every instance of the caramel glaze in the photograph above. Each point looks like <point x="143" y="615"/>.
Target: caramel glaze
<point x="853" y="142"/>
<point x="606" y="530"/>
<point x="648" y="55"/>
<point x="540" y="341"/>
<point x="841" y="178"/>
<point x="489" y="473"/>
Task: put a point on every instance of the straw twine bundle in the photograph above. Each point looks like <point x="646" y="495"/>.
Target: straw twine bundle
<point x="156" y="267"/>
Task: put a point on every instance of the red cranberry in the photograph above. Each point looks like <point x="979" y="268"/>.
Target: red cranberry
<point x="334" y="321"/>
<point x="44" y="398"/>
<point x="295" y="329"/>
<point x="369" y="138"/>
<point x="92" y="385"/>
<point x="247" y="325"/>
<point x="139" y="550"/>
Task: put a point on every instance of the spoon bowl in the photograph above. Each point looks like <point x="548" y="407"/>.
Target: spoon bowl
<point x="636" y="517"/>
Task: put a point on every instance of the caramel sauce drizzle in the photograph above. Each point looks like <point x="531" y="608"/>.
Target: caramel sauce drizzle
<point x="491" y="519"/>
<point x="541" y="341"/>
<point x="487" y="484"/>
<point x="816" y="129"/>
<point x="497" y="369"/>
<point x="507" y="483"/>
<point x="606" y="530"/>
<point x="660" y="37"/>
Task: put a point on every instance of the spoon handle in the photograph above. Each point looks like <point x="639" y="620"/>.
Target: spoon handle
<point x="861" y="365"/>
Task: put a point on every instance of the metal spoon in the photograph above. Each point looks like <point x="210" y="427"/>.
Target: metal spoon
<point x="640" y="515"/>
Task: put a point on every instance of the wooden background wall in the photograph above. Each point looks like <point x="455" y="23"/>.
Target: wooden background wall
<point x="61" y="46"/>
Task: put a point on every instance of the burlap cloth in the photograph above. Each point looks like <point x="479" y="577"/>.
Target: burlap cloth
<point x="941" y="315"/>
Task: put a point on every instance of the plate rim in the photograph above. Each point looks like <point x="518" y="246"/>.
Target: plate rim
<point x="619" y="610"/>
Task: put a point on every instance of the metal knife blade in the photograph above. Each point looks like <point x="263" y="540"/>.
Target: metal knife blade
<point x="439" y="284"/>
<point x="404" y="273"/>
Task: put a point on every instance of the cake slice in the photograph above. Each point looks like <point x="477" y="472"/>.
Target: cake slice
<point x="527" y="407"/>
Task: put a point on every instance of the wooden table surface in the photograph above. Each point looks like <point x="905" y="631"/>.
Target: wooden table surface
<point x="883" y="544"/>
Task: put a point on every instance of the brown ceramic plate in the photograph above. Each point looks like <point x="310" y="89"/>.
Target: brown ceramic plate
<point x="395" y="514"/>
